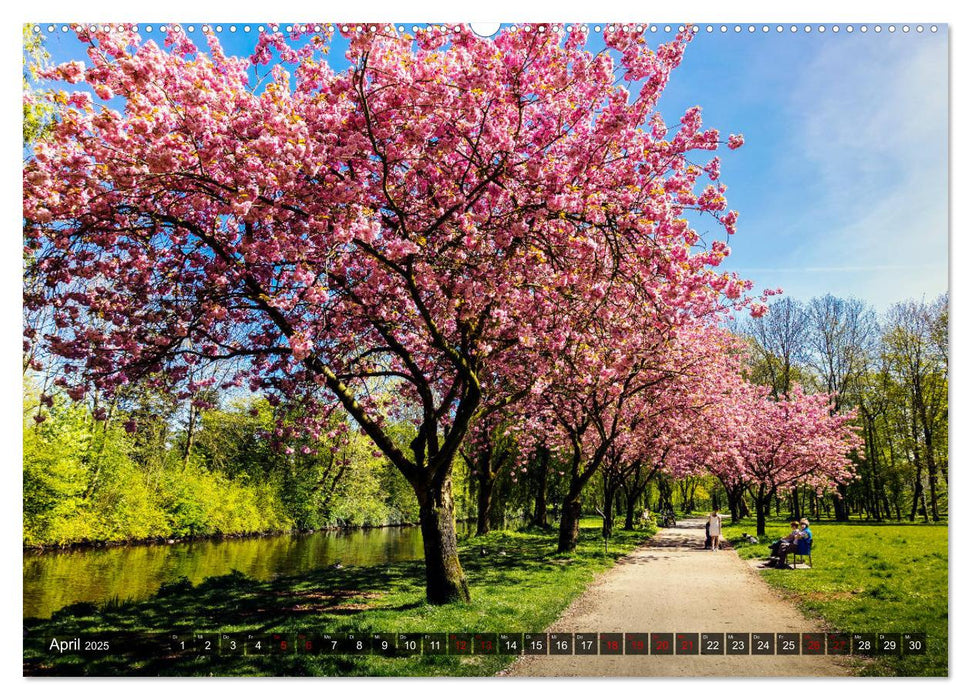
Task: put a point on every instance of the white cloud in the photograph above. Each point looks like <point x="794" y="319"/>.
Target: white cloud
<point x="875" y="127"/>
<point x="872" y="126"/>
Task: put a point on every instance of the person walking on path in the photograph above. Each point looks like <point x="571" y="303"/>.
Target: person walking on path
<point x="715" y="529"/>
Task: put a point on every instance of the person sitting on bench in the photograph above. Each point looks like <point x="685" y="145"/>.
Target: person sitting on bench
<point x="804" y="532"/>
<point x="781" y="548"/>
<point x="804" y="544"/>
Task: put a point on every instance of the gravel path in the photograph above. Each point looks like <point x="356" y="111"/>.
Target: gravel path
<point x="672" y="584"/>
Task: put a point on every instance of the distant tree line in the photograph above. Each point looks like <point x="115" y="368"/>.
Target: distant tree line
<point x="893" y="369"/>
<point x="155" y="468"/>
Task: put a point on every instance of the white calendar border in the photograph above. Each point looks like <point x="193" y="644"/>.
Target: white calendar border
<point x="830" y="11"/>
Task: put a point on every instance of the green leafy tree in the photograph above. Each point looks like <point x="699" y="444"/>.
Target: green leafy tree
<point x="37" y="112"/>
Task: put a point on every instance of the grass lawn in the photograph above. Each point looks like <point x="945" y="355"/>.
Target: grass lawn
<point x="519" y="585"/>
<point x="869" y="577"/>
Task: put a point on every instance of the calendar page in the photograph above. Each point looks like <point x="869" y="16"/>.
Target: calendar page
<point x="527" y="349"/>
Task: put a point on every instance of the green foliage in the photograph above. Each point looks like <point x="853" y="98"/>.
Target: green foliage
<point x="37" y="113"/>
<point x="359" y="497"/>
<point x="54" y="478"/>
<point x="200" y="502"/>
<point x="212" y="472"/>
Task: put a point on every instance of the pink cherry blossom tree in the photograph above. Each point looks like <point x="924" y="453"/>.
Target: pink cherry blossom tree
<point x="666" y="427"/>
<point x="796" y="440"/>
<point x="625" y="401"/>
<point x="382" y="238"/>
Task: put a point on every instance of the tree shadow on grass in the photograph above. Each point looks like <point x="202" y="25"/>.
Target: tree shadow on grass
<point x="232" y="604"/>
<point x="321" y="600"/>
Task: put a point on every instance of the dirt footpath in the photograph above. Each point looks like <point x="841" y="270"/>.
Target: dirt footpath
<point x="673" y="584"/>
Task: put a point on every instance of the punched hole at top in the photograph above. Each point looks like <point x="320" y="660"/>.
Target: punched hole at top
<point x="485" y="29"/>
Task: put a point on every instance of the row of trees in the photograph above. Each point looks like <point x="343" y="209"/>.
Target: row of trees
<point x="455" y="245"/>
<point x="892" y="369"/>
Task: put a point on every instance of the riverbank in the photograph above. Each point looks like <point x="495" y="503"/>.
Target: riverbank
<point x="87" y="545"/>
<point x="518" y="583"/>
<point x="214" y="537"/>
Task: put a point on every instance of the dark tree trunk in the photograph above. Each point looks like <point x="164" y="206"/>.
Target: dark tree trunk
<point x="570" y="517"/>
<point x="736" y="501"/>
<point x="932" y="479"/>
<point x="569" y="525"/>
<point x="483" y="520"/>
<point x="918" y="492"/>
<point x="445" y="581"/>
<point x="634" y="489"/>
<point x="630" y="503"/>
<point x="608" y="512"/>
<point x="733" y="508"/>
<point x="840" y="511"/>
<point x="763" y="502"/>
<point x="539" y="510"/>
<point x="664" y="502"/>
<point x="690" y="505"/>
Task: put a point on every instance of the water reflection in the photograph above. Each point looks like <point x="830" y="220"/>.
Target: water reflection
<point x="53" y="580"/>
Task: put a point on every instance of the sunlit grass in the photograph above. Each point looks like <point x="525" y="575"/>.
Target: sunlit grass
<point x="869" y="577"/>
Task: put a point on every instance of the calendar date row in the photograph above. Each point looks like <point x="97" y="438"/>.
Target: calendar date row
<point x="511" y="643"/>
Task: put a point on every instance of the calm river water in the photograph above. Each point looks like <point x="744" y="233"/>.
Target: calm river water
<point x="53" y="580"/>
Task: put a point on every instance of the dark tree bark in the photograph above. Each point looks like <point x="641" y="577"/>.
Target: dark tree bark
<point x="610" y="493"/>
<point x="736" y="500"/>
<point x="569" y="525"/>
<point x="542" y="479"/>
<point x="743" y="510"/>
<point x="664" y="500"/>
<point x="918" y="492"/>
<point x="931" y="475"/>
<point x="570" y="517"/>
<point x="634" y="485"/>
<point x="763" y="502"/>
<point x="840" y="510"/>
<point x="572" y="508"/>
<point x="444" y="579"/>
<point x="483" y="515"/>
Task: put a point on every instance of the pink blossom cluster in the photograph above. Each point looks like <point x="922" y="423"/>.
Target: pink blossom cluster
<point x="451" y="231"/>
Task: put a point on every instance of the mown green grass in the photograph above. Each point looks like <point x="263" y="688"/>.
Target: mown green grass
<point x="869" y="577"/>
<point x="519" y="585"/>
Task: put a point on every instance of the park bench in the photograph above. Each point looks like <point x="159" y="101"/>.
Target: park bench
<point x="803" y="550"/>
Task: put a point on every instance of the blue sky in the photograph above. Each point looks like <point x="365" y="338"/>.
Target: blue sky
<point x="842" y="185"/>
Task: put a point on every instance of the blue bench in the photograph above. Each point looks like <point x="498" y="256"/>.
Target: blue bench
<point x="803" y="549"/>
